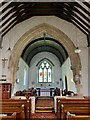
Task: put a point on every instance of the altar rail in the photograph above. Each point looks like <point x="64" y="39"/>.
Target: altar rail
<point x="45" y="91"/>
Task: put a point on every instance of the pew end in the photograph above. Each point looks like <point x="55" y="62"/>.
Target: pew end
<point x="9" y="117"/>
<point x="77" y="117"/>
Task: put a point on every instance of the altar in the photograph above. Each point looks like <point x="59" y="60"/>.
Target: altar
<point x="45" y="91"/>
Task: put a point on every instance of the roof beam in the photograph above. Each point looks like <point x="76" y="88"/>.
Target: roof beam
<point x="83" y="9"/>
<point x="80" y="13"/>
<point x="69" y="14"/>
<point x="64" y="10"/>
<point x="87" y="4"/>
<point x="9" y="28"/>
<point x="17" y="14"/>
<point x="78" y="17"/>
<point x="73" y="15"/>
<point x="10" y="11"/>
<point x="79" y="27"/>
<point x="87" y="30"/>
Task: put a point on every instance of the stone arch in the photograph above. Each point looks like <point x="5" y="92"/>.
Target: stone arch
<point x="58" y="35"/>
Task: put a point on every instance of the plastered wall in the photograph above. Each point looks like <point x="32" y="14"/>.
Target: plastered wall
<point x="11" y="38"/>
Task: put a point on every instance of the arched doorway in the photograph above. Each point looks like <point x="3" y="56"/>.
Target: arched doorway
<point x="55" y="33"/>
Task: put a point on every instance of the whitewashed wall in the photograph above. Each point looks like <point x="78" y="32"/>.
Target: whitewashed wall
<point x="66" y="71"/>
<point x="33" y="70"/>
<point x="69" y="29"/>
<point x="20" y="76"/>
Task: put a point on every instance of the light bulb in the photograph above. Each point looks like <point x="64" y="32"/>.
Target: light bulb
<point x="77" y="50"/>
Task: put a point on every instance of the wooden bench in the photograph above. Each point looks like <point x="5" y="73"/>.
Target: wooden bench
<point x="19" y="102"/>
<point x="10" y="117"/>
<point x="31" y="99"/>
<point x="65" y="103"/>
<point x="72" y="101"/>
<point x="74" y="110"/>
<point x="78" y="117"/>
<point x="10" y="109"/>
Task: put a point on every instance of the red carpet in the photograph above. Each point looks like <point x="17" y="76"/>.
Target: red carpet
<point x="44" y="116"/>
<point x="44" y="103"/>
<point x="44" y="109"/>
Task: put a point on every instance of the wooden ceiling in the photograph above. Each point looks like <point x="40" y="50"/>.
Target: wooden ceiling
<point x="44" y="44"/>
<point x="77" y="13"/>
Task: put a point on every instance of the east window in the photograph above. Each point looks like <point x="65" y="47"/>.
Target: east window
<point x="45" y="68"/>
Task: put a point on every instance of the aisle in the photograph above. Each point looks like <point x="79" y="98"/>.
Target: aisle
<point x="44" y="116"/>
<point x="44" y="109"/>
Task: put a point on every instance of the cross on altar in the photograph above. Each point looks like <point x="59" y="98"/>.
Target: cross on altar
<point x="4" y="61"/>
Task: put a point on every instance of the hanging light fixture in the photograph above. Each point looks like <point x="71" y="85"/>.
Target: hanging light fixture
<point x="77" y="50"/>
<point x="44" y="34"/>
<point x="45" y="45"/>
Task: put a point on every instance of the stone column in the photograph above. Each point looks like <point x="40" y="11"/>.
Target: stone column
<point x="88" y="71"/>
<point x="76" y="78"/>
<point x="78" y="83"/>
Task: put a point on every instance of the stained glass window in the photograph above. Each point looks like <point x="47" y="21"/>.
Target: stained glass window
<point x="40" y="75"/>
<point x="49" y="75"/>
<point x="45" y="71"/>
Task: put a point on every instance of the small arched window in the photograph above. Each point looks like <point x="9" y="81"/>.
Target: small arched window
<point x="45" y="67"/>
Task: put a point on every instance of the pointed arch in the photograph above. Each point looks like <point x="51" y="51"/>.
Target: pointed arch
<point x="28" y="37"/>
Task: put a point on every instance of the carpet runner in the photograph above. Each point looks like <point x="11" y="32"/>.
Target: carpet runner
<point x="44" y="104"/>
<point x="44" y="116"/>
<point x="44" y="109"/>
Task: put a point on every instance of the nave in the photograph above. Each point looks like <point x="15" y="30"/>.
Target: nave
<point x="44" y="45"/>
<point x="29" y="105"/>
<point x="45" y="108"/>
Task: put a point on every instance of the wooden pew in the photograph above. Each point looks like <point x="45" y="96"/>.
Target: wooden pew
<point x="27" y="104"/>
<point x="10" y="109"/>
<point x="77" y="117"/>
<point x="74" y="110"/>
<point x="32" y="100"/>
<point x="71" y="103"/>
<point x="10" y="117"/>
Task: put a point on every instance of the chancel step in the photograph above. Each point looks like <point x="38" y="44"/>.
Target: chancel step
<point x="44" y="104"/>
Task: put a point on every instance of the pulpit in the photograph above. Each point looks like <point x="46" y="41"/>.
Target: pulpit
<point x="5" y="90"/>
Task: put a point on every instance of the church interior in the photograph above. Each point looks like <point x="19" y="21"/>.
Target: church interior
<point x="44" y="60"/>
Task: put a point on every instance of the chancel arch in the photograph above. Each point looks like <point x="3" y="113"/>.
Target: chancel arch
<point x="56" y="34"/>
